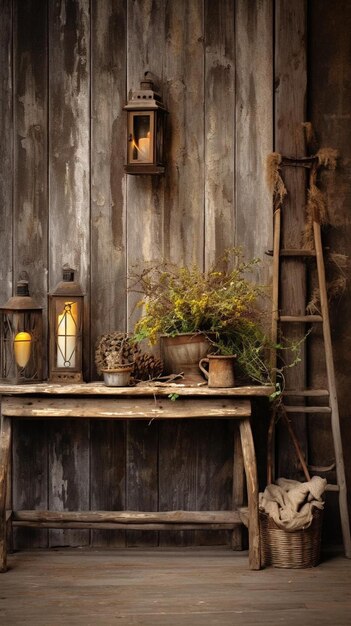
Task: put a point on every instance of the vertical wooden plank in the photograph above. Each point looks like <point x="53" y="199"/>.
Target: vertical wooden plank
<point x="68" y="442"/>
<point x="30" y="231"/>
<point x="108" y="476"/>
<point x="145" y="193"/>
<point x="214" y="474"/>
<point x="183" y="91"/>
<point x="145" y="209"/>
<point x="69" y="162"/>
<point x="30" y="124"/>
<point x="214" y="471"/>
<point x="30" y="478"/>
<point x="183" y="222"/>
<point x="6" y="149"/>
<point x="69" y="232"/>
<point x="290" y="113"/>
<point x="178" y="475"/>
<point x="108" y="181"/>
<point x="142" y="476"/>
<point x="219" y="128"/>
<point x="254" y="127"/>
<point x="108" y="237"/>
<point x="330" y="113"/>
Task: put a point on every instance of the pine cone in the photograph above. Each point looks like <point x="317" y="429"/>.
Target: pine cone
<point x="147" y="367"/>
<point x="115" y="342"/>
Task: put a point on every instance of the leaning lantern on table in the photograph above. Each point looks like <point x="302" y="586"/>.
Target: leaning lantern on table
<point x="21" y="338"/>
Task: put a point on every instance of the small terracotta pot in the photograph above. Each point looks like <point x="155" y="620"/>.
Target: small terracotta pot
<point x="119" y="376"/>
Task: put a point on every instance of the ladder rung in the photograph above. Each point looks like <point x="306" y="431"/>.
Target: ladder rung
<point x="307" y="393"/>
<point x="301" y="318"/>
<point x="332" y="488"/>
<point x="307" y="409"/>
<point x="296" y="252"/>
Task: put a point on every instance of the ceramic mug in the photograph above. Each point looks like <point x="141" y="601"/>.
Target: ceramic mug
<point x="220" y="370"/>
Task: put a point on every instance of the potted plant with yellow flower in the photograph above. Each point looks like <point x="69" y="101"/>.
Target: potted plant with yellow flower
<point x="195" y="312"/>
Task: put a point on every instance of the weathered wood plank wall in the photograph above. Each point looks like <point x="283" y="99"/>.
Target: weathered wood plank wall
<point x="290" y="113"/>
<point x="66" y="68"/>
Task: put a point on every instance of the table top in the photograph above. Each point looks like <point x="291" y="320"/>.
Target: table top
<point x="146" y="389"/>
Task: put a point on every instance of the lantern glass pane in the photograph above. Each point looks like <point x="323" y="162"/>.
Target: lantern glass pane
<point x="141" y="138"/>
<point x="67" y="332"/>
<point x="20" y="348"/>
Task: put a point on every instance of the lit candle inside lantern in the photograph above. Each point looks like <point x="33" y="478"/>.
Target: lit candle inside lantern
<point x="66" y="335"/>
<point x="22" y="347"/>
<point x="143" y="148"/>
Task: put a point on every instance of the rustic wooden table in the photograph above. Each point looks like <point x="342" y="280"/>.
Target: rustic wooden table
<point x="96" y="401"/>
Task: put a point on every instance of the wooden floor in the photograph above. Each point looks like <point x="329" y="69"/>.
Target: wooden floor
<point x="179" y="587"/>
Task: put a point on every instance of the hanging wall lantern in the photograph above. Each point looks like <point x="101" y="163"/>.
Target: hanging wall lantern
<point x="21" y="338"/>
<point x="146" y="116"/>
<point x="66" y="330"/>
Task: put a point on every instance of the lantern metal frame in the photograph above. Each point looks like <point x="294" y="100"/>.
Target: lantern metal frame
<point x="145" y="108"/>
<point x="66" y="314"/>
<point x="21" y="338"/>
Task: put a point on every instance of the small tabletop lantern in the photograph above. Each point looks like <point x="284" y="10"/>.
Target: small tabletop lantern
<point x="146" y="129"/>
<point x="21" y="338"/>
<point x="65" y="330"/>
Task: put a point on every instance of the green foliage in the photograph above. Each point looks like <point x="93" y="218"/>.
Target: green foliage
<point x="173" y="396"/>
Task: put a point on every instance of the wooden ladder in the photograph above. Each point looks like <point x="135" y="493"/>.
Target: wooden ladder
<point x="330" y="393"/>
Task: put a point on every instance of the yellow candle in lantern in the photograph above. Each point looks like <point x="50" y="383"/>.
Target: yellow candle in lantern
<point x="67" y="335"/>
<point x="22" y="348"/>
<point x="144" y="145"/>
<point x="144" y="148"/>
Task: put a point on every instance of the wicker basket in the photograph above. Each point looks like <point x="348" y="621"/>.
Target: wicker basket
<point x="290" y="549"/>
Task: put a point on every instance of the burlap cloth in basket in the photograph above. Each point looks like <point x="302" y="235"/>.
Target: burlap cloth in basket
<point x="291" y="503"/>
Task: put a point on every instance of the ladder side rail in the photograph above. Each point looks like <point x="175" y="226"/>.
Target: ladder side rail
<point x="274" y="337"/>
<point x="335" y="420"/>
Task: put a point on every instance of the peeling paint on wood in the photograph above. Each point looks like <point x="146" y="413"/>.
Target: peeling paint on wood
<point x="219" y="129"/>
<point x="183" y="93"/>
<point x="254" y="129"/>
<point x="69" y="163"/>
<point x="108" y="181"/>
<point x="69" y="469"/>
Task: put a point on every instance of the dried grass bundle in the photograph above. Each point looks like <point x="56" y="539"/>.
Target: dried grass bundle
<point x="274" y="179"/>
<point x="313" y="307"/>
<point x="336" y="287"/>
<point x="316" y="208"/>
<point x="341" y="261"/>
<point x="327" y="157"/>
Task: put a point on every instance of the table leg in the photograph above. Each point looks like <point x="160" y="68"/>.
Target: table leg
<point x="252" y="493"/>
<point x="5" y="443"/>
<point x="238" y="488"/>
